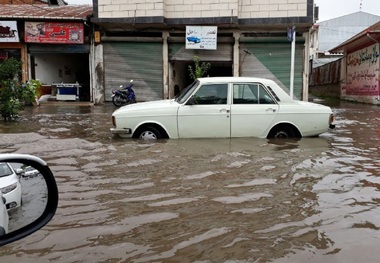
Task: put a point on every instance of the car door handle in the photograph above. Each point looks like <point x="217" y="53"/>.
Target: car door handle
<point x="225" y="110"/>
<point x="271" y="109"/>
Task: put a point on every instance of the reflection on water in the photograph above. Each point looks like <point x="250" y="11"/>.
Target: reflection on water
<point x="239" y="200"/>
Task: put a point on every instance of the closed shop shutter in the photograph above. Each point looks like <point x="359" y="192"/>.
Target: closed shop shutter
<point x="140" y="61"/>
<point x="178" y="52"/>
<point x="271" y="58"/>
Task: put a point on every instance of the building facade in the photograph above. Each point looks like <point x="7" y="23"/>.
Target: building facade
<point x="51" y="39"/>
<point x="154" y="42"/>
<point x="360" y="66"/>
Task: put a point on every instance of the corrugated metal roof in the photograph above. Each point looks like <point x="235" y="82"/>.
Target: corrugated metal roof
<point x="335" y="31"/>
<point x="67" y="12"/>
<point x="368" y="35"/>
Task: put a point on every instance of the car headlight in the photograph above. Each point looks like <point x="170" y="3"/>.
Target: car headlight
<point x="9" y="188"/>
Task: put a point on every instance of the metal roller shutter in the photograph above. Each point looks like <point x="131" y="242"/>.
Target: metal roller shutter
<point x="271" y="59"/>
<point x="140" y="61"/>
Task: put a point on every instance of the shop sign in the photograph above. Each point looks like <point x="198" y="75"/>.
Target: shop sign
<point x="54" y="33"/>
<point x="201" y="37"/>
<point x="363" y="71"/>
<point x="8" y="31"/>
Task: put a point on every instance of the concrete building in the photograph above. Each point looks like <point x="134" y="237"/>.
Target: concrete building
<point x="154" y="42"/>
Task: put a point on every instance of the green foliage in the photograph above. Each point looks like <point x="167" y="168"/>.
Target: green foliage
<point x="10" y="68"/>
<point x="10" y="105"/>
<point x="199" y="70"/>
<point x="14" y="95"/>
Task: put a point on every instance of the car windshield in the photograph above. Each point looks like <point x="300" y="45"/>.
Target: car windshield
<point x="186" y="93"/>
<point x="5" y="170"/>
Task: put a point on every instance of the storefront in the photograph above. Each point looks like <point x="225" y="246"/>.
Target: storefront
<point x="270" y="57"/>
<point x="159" y="66"/>
<point x="180" y="58"/>
<point x="140" y="61"/>
<point x="57" y="54"/>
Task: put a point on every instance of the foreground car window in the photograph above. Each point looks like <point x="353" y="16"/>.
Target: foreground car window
<point x="212" y="94"/>
<point x="251" y="93"/>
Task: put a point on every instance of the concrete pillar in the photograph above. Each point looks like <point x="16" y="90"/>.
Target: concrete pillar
<point x="165" y="65"/>
<point x="306" y="67"/>
<point x="236" y="57"/>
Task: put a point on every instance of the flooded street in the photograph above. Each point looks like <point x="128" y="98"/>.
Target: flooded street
<point x="240" y="200"/>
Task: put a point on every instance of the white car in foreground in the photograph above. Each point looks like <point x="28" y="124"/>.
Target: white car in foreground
<point x="224" y="107"/>
<point x="10" y="185"/>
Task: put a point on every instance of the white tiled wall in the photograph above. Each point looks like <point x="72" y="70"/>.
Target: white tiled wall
<point x="244" y="9"/>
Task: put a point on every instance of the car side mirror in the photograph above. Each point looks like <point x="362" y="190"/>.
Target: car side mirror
<point x="28" y="196"/>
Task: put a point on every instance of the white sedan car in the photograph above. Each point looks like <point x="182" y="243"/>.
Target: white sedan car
<point x="10" y="185"/>
<point x="224" y="107"/>
<point x="4" y="217"/>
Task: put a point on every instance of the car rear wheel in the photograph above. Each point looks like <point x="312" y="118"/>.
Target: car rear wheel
<point x="149" y="133"/>
<point x="282" y="132"/>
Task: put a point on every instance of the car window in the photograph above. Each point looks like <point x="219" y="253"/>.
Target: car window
<point x="212" y="94"/>
<point x="29" y="169"/>
<point x="264" y="97"/>
<point x="186" y="93"/>
<point x="5" y="170"/>
<point x="250" y="93"/>
<point x="273" y="93"/>
<point x="245" y="93"/>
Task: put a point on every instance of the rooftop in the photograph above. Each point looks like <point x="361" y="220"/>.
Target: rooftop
<point x="62" y="12"/>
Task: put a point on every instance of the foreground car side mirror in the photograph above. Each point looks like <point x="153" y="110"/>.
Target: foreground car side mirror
<point x="28" y="199"/>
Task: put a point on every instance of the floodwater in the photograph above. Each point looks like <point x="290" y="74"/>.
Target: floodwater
<point x="240" y="200"/>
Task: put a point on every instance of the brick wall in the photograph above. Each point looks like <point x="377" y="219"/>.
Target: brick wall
<point x="203" y="8"/>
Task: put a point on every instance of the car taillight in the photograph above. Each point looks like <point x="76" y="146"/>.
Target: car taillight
<point x="113" y="121"/>
<point x="331" y="119"/>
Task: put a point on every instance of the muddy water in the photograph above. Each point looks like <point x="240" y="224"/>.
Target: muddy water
<point x="240" y="200"/>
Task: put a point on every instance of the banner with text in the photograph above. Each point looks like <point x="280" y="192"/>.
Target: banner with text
<point x="201" y="37"/>
<point x="363" y="71"/>
<point x="54" y="33"/>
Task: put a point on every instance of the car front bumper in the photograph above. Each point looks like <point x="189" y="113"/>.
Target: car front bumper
<point x="122" y="132"/>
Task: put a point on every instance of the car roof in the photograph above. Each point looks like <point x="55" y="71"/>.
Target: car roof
<point x="235" y="79"/>
<point x="281" y="94"/>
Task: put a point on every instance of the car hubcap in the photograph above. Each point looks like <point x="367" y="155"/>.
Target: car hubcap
<point x="281" y="134"/>
<point x="148" y="135"/>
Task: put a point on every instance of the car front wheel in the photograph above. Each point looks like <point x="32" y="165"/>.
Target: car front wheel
<point x="149" y="133"/>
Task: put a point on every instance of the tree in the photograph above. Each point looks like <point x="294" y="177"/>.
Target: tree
<point x="199" y="70"/>
<point x="13" y="94"/>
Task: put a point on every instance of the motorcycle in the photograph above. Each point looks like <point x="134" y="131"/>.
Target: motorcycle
<point x="124" y="95"/>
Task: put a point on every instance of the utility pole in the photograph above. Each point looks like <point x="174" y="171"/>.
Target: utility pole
<point x="292" y="38"/>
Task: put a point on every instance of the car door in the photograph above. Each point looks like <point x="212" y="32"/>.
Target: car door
<point x="252" y="110"/>
<point x="209" y="114"/>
